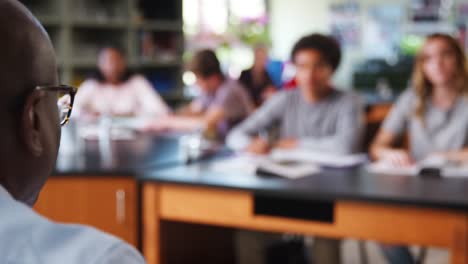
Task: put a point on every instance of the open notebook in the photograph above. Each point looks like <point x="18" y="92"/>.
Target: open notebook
<point x="433" y="165"/>
<point x="320" y="158"/>
<point x="290" y="170"/>
<point x="248" y="164"/>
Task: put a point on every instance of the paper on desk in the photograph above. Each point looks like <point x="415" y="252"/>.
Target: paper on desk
<point x="447" y="169"/>
<point x="324" y="159"/>
<point x="389" y="169"/>
<point x="455" y="171"/>
<point x="248" y="164"/>
<point x="294" y="170"/>
<point x="385" y="167"/>
<point x="244" y="163"/>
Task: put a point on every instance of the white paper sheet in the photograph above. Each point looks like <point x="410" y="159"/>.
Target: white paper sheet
<point x="248" y="164"/>
<point x="244" y="163"/>
<point x="320" y="158"/>
<point x="447" y="169"/>
<point x="388" y="169"/>
<point x="289" y="170"/>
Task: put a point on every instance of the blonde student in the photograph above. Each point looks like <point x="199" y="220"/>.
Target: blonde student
<point x="432" y="114"/>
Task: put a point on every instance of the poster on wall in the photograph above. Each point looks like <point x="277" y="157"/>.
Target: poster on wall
<point x="383" y="31"/>
<point x="430" y="10"/>
<point x="345" y="23"/>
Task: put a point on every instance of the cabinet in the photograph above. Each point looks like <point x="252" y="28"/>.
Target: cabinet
<point x="106" y="203"/>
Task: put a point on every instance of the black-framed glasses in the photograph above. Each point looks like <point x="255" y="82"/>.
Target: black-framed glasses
<point x="65" y="99"/>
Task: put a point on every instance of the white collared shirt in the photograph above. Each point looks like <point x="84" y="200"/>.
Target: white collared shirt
<point x="135" y="97"/>
<point x="28" y="238"/>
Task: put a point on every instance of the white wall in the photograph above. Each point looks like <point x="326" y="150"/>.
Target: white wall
<point x="291" y="19"/>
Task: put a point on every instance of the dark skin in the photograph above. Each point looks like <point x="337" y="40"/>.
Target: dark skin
<point x="30" y="131"/>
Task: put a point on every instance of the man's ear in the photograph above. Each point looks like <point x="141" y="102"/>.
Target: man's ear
<point x="31" y="124"/>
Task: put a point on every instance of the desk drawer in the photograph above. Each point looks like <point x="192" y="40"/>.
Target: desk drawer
<point x="227" y="205"/>
<point x="362" y="220"/>
<point x="227" y="208"/>
<point x="199" y="204"/>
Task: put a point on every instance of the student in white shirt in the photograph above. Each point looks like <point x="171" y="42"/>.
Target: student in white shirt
<point x="30" y="136"/>
<point x="115" y="91"/>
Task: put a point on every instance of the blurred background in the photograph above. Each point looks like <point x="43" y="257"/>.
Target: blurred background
<point x="379" y="37"/>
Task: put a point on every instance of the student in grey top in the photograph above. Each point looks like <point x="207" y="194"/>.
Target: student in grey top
<point x="438" y="131"/>
<point x="433" y="113"/>
<point x="332" y="124"/>
<point x="314" y="116"/>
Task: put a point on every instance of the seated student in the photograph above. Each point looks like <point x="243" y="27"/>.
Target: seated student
<point x="30" y="137"/>
<point x="256" y="79"/>
<point x="315" y="116"/>
<point x="223" y="102"/>
<point x="432" y="113"/>
<point x="116" y="92"/>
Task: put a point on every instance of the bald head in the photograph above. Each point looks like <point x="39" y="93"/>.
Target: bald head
<point x="27" y="58"/>
<point x="30" y="130"/>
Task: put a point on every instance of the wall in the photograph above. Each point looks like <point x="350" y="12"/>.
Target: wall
<point x="291" y="19"/>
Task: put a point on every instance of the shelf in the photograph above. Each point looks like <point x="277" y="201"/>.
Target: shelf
<point x="160" y="25"/>
<point x="49" y="21"/>
<point x="79" y="28"/>
<point x="60" y="63"/>
<point x="100" y="24"/>
<point x="159" y="64"/>
<point x="84" y="63"/>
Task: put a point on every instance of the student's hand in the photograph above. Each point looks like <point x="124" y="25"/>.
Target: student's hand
<point x="397" y="157"/>
<point x="258" y="146"/>
<point x="287" y="143"/>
